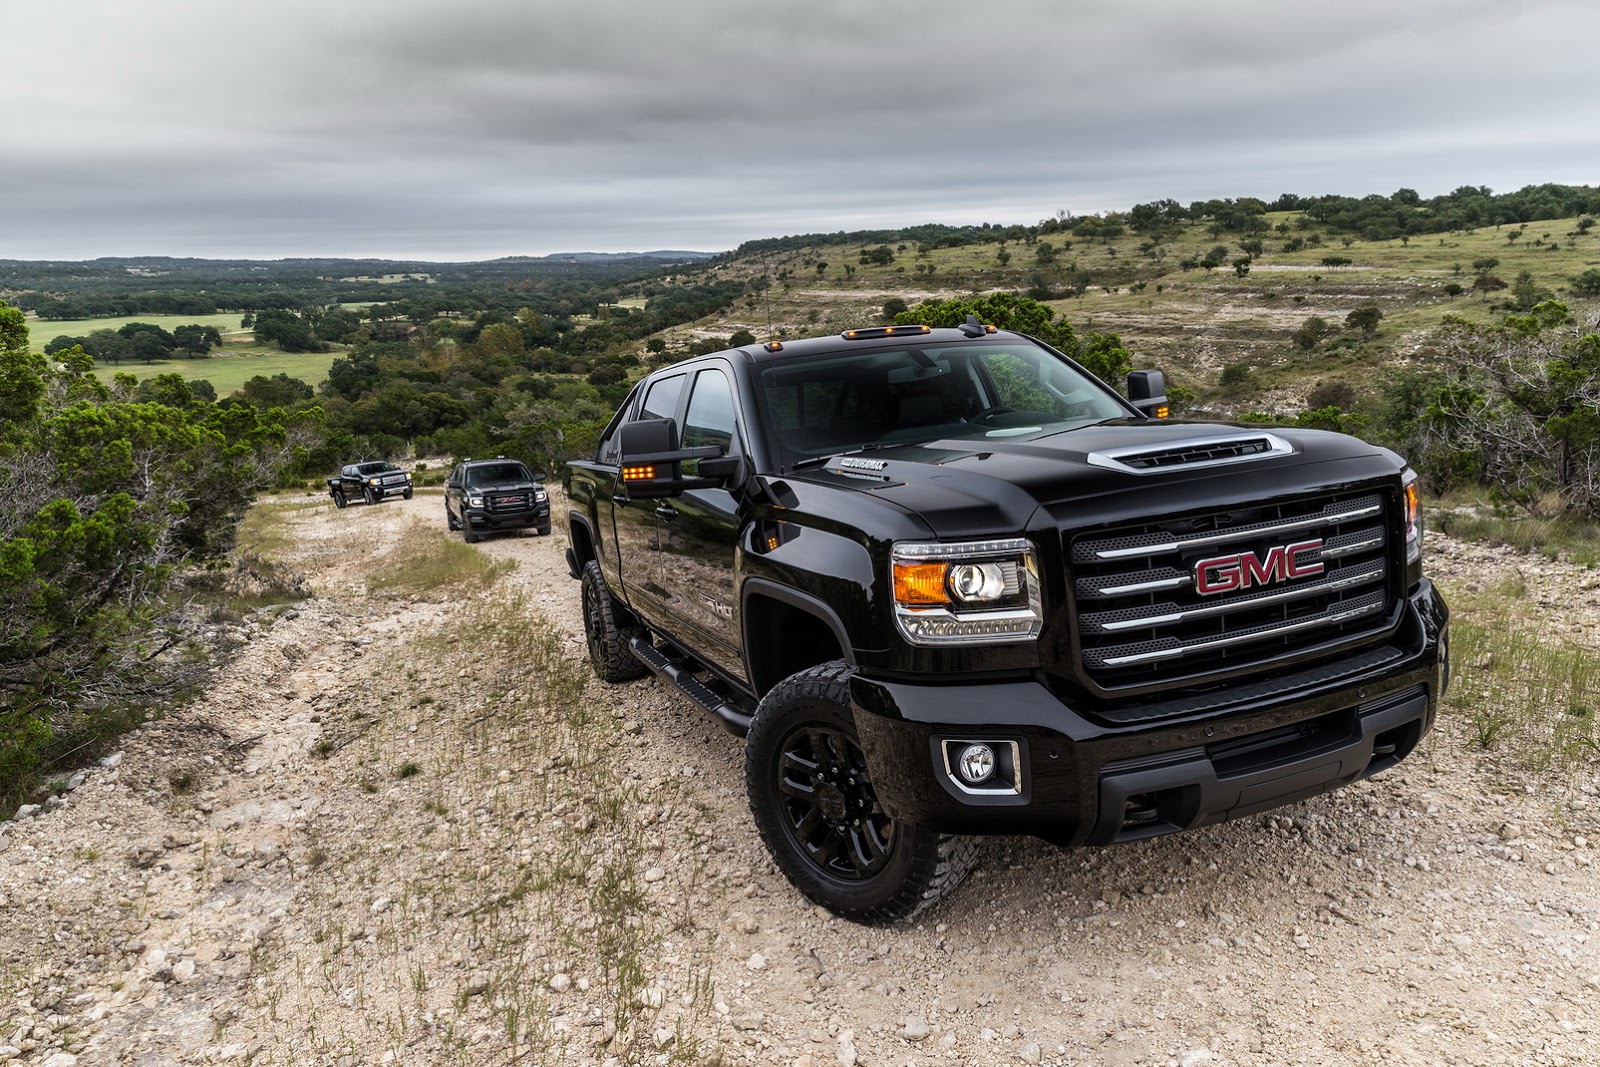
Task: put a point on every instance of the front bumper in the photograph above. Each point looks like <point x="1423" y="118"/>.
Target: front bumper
<point x="482" y="519"/>
<point x="1081" y="781"/>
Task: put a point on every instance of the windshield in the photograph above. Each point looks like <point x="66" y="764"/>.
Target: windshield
<point x="821" y="407"/>
<point x="377" y="468"/>
<point x="497" y="474"/>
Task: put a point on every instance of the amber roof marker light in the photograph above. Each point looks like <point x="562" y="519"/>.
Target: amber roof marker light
<point x="885" y="331"/>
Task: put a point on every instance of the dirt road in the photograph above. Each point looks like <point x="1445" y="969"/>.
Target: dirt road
<point x="391" y="833"/>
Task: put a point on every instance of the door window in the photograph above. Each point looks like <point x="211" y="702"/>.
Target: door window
<point x="711" y="415"/>
<point x="661" y="402"/>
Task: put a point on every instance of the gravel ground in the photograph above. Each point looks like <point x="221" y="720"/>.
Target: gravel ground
<point x="260" y="878"/>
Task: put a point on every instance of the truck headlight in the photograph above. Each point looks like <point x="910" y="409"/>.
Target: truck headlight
<point x="1413" y="502"/>
<point x="539" y="495"/>
<point x="474" y="501"/>
<point x="966" y="592"/>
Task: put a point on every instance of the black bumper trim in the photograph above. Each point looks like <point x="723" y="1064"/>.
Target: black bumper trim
<point x="1195" y="788"/>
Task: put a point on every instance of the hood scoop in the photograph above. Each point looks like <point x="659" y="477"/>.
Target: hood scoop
<point x="1193" y="453"/>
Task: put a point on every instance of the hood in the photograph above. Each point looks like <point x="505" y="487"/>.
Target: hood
<point x="981" y="484"/>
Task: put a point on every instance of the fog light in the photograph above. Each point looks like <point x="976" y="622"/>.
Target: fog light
<point x="976" y="763"/>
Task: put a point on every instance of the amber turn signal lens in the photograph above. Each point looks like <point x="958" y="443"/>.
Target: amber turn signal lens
<point x="920" y="583"/>
<point x="1413" y="502"/>
<point x="639" y="474"/>
<point x="1163" y="412"/>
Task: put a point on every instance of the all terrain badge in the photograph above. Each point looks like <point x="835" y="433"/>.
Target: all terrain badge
<point x="863" y="464"/>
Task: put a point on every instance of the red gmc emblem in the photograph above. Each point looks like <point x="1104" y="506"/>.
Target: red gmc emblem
<point x="1226" y="574"/>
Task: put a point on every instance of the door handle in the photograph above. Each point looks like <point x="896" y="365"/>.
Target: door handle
<point x="667" y="512"/>
<point x="621" y="500"/>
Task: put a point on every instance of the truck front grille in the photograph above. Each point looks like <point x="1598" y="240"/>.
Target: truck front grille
<point x="1180" y="599"/>
<point x="520" y="501"/>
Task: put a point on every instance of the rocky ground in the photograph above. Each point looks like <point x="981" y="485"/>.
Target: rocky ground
<point x="405" y="826"/>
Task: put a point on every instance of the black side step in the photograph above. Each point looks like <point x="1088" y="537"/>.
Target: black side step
<point x="681" y="674"/>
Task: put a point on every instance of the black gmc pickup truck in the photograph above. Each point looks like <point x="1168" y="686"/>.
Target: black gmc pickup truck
<point x="947" y="583"/>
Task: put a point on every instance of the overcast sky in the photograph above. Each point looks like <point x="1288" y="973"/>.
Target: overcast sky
<point x="473" y="129"/>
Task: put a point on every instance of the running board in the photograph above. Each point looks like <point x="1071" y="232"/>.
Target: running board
<point x="681" y="674"/>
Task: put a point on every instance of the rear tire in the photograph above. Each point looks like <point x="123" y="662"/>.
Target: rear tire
<point x="339" y="499"/>
<point x="813" y="801"/>
<point x="609" y="627"/>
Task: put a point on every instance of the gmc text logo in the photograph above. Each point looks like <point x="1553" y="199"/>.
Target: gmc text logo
<point x="1225" y="574"/>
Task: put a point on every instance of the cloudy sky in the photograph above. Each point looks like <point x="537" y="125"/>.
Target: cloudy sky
<point x="478" y="128"/>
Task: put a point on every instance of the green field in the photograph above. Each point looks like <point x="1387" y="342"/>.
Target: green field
<point x="229" y="369"/>
<point x="41" y="333"/>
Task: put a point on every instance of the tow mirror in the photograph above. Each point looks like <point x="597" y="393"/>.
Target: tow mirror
<point x="651" y="461"/>
<point x="1147" y="391"/>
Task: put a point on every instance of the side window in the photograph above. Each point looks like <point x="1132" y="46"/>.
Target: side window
<point x="710" y="417"/>
<point x="661" y="402"/>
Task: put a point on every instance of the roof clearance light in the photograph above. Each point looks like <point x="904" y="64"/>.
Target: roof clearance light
<point x="773" y="346"/>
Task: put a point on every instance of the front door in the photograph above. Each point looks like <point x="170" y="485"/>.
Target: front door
<point x="700" y="530"/>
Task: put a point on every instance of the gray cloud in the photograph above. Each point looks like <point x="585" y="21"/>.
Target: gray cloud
<point x="457" y="130"/>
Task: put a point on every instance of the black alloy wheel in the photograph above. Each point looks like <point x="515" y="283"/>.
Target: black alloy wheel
<point x="830" y="810"/>
<point x="813" y="800"/>
<point x="339" y="500"/>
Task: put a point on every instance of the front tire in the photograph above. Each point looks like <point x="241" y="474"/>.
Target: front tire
<point x="371" y="495"/>
<point x="468" y="534"/>
<point x="814" y="804"/>
<point x="609" y="627"/>
<point x="406" y="495"/>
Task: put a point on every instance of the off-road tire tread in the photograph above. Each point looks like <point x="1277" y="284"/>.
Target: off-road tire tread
<point x="934" y="872"/>
<point x="613" y="628"/>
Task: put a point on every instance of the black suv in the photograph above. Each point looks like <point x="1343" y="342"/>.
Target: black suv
<point x="484" y="496"/>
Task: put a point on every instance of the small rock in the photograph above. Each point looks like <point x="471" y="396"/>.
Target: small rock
<point x="380" y="906"/>
<point x="1196" y="1057"/>
<point x="757" y="962"/>
<point x="915" y="1029"/>
<point x="183" y="971"/>
<point x="112" y="761"/>
<point x="61" y="1059"/>
<point x="9" y="1052"/>
<point x="847" y="1048"/>
<point x="26" y="812"/>
<point x="1030" y="1053"/>
<point x="743" y="923"/>
<point x="477" y="985"/>
<point x="560" y="983"/>
<point x="654" y="874"/>
<point x="1509" y="831"/>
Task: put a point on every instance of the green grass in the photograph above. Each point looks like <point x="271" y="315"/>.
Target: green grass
<point x="230" y="368"/>
<point x="425" y="562"/>
<point x="227" y="368"/>
<point x="1554" y="536"/>
<point x="41" y="333"/>
<point x="1523" y="694"/>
